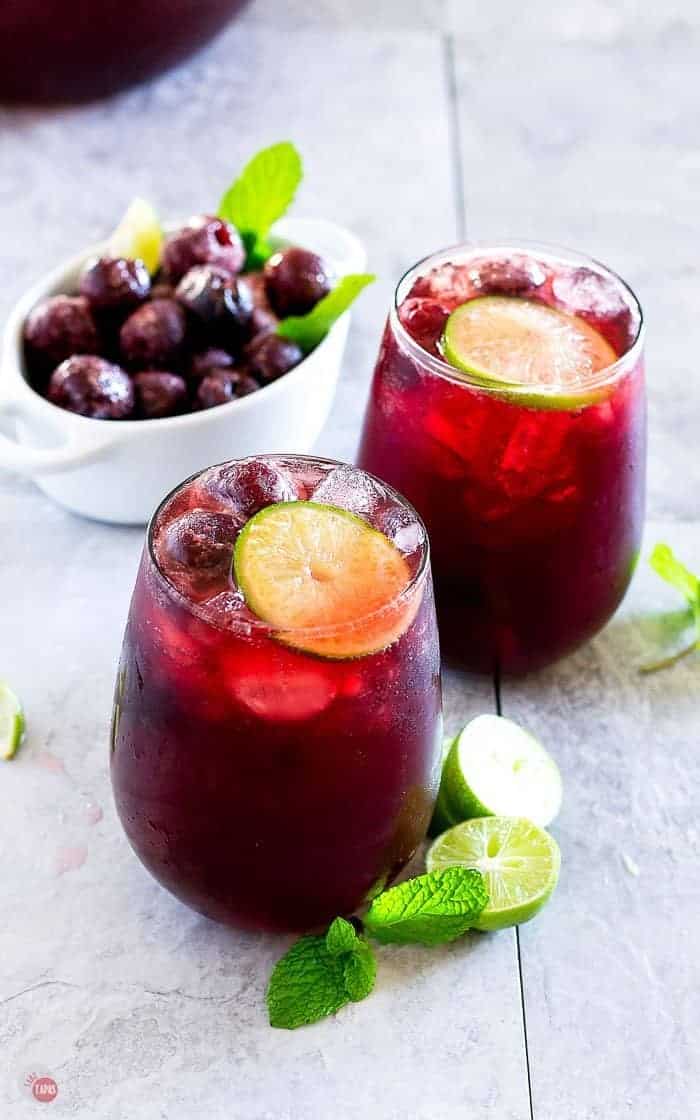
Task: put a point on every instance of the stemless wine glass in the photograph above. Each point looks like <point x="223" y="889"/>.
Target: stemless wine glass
<point x="532" y="494"/>
<point x="266" y="785"/>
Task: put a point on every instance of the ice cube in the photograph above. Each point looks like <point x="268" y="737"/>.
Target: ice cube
<point x="351" y="489"/>
<point x="270" y="693"/>
<point x="450" y="284"/>
<point x="599" y="300"/>
<point x="248" y="486"/>
<point x="535" y="457"/>
<point x="402" y="527"/>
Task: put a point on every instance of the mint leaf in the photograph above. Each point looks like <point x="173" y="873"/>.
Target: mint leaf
<point x="308" y="330"/>
<point x="260" y="195"/>
<point x="666" y="564"/>
<point x="341" y="937"/>
<point x="430" y="909"/>
<point x="360" y="971"/>
<point x="306" y="985"/>
<point x="319" y="975"/>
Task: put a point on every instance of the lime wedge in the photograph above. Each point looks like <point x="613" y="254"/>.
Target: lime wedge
<point x="517" y="343"/>
<point x="497" y="768"/>
<point x="138" y="235"/>
<point x="12" y="723"/>
<point x="519" y="861"/>
<point x="305" y="567"/>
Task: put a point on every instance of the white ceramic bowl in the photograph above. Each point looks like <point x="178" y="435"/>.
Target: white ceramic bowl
<point x="118" y="470"/>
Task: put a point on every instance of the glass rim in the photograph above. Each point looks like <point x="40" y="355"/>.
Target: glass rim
<point x="443" y="369"/>
<point x="258" y="625"/>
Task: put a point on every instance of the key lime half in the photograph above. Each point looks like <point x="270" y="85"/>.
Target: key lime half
<point x="496" y="768"/>
<point x="12" y="723"/>
<point x="519" y="861"/>
<point x="139" y="234"/>
<point x="305" y="567"/>
<point x="536" y="353"/>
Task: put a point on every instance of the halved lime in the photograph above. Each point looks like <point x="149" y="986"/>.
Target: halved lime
<point x="496" y="768"/>
<point x="12" y="723"/>
<point x="305" y="567"/>
<point x="519" y="343"/>
<point x="139" y="234"/>
<point x="519" y="861"/>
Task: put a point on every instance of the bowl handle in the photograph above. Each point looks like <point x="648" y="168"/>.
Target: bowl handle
<point x="28" y="459"/>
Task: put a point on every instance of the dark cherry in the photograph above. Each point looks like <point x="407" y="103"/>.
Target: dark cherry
<point x="509" y="276"/>
<point x="252" y="484"/>
<point x="159" y="393"/>
<point x="154" y="335"/>
<point x="224" y="385"/>
<point x="424" y="319"/>
<point x="204" y="240"/>
<point x="57" y="328"/>
<point x="200" y="540"/>
<point x="112" y="283"/>
<point x="268" y="356"/>
<point x="295" y="279"/>
<point x="207" y="361"/>
<point x="218" y="303"/>
<point x="91" y="386"/>
<point x="263" y="317"/>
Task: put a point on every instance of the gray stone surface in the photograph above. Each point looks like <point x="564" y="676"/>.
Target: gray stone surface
<point x="574" y="123"/>
<point x="611" y="969"/>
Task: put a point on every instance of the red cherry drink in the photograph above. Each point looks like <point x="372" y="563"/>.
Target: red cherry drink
<point x="276" y="738"/>
<point x="508" y="406"/>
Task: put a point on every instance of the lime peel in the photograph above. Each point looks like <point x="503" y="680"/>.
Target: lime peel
<point x="495" y="767"/>
<point x="12" y="722"/>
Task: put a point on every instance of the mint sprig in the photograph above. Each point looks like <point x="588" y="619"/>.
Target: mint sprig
<point x="431" y="909"/>
<point x="667" y="565"/>
<point x="319" y="975"/>
<point x="308" y="330"/>
<point x="260" y="195"/>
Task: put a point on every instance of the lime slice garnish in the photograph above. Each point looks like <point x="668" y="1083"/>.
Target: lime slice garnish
<point x="519" y="861"/>
<point x="12" y="723"/>
<point x="139" y="234"/>
<point x="497" y="768"/>
<point x="303" y="566"/>
<point x="516" y="343"/>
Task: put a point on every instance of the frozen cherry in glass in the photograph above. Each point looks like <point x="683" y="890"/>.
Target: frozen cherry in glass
<point x="217" y="302"/>
<point x="154" y="334"/>
<point x="224" y="385"/>
<point x="112" y="283"/>
<point x="269" y="356"/>
<point x="204" y="240"/>
<point x="251" y="484"/>
<point x="508" y="276"/>
<point x="92" y="387"/>
<point x="57" y="328"/>
<point x="295" y="280"/>
<point x="159" y="393"/>
<point x="424" y="319"/>
<point x="199" y="539"/>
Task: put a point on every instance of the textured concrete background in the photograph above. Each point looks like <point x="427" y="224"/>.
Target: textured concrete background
<point x="417" y="121"/>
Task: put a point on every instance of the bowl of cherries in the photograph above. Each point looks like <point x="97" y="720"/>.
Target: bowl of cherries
<point x="163" y="350"/>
